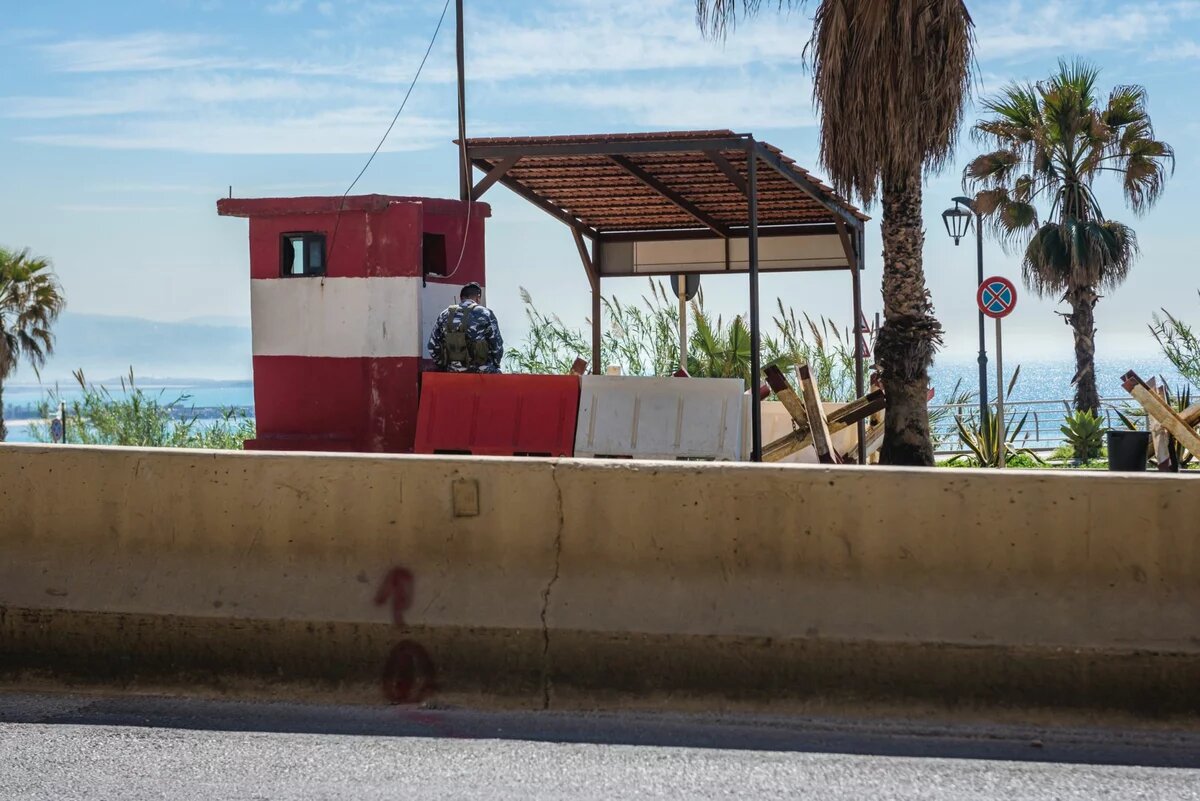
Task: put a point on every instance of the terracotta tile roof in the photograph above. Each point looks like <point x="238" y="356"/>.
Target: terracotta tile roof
<point x="600" y="180"/>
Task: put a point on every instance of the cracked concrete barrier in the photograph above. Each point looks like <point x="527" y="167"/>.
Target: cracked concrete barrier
<point x="164" y="564"/>
<point x="1039" y="587"/>
<point x="552" y="582"/>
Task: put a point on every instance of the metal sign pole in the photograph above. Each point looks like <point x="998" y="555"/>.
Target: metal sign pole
<point x="1000" y="428"/>
<point x="683" y="346"/>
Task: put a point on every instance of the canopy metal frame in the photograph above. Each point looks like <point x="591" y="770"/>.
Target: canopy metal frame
<point x="590" y="192"/>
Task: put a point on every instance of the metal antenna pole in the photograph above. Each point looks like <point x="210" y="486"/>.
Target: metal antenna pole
<point x="464" y="167"/>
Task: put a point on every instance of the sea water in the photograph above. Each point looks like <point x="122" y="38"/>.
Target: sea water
<point x="1038" y="381"/>
<point x="1048" y="380"/>
<point x="25" y="398"/>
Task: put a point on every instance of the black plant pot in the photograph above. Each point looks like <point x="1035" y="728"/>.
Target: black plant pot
<point x="1127" y="450"/>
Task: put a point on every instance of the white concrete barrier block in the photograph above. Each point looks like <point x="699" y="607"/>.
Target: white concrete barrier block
<point x="660" y="418"/>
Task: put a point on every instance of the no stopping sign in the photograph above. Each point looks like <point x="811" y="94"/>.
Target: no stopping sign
<point x="997" y="297"/>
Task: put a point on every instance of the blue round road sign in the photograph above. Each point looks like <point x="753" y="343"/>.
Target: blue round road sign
<point x="997" y="297"/>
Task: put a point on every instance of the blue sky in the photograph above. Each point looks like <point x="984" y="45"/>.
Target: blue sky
<point x="122" y="123"/>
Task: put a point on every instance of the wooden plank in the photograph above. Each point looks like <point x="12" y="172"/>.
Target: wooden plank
<point x="1160" y="411"/>
<point x="874" y="439"/>
<point x="860" y="409"/>
<point x="1191" y="415"/>
<point x="822" y="439"/>
<point x="866" y="406"/>
<point x="788" y="397"/>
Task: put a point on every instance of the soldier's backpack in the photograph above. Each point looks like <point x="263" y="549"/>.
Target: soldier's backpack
<point x="460" y="347"/>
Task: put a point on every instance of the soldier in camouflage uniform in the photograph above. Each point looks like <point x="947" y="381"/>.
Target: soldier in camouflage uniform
<point x="466" y="338"/>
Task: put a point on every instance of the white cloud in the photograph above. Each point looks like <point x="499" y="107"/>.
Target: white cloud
<point x="98" y="208"/>
<point x="135" y="52"/>
<point x="1029" y="27"/>
<point x="586" y="36"/>
<point x="632" y="63"/>
<point x="249" y="188"/>
<point x="285" y="7"/>
<point x="346" y="130"/>
<point x="1177" y="51"/>
<point x="744" y="102"/>
<point x="180" y="94"/>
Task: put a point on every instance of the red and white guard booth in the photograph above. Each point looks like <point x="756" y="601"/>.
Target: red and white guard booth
<point x="343" y="297"/>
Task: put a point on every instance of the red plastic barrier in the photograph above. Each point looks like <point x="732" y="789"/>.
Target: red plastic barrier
<point x="498" y="415"/>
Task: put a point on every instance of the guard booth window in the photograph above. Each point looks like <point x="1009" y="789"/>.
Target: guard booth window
<point x="433" y="254"/>
<point x="302" y="254"/>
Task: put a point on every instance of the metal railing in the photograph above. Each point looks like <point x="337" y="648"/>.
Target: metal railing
<point x="1043" y="426"/>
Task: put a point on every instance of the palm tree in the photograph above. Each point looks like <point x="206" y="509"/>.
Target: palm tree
<point x="30" y="301"/>
<point x="1053" y="139"/>
<point x="890" y="78"/>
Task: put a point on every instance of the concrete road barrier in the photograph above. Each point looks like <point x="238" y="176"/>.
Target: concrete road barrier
<point x="548" y="578"/>
<point x="660" y="418"/>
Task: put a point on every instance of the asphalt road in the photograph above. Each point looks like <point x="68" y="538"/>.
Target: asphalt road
<point x="89" y="747"/>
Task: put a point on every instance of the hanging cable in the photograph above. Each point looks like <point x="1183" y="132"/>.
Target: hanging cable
<point x="375" y="152"/>
<point x="466" y="230"/>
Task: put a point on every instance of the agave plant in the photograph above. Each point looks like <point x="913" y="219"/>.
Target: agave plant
<point x="1084" y="432"/>
<point x="989" y="439"/>
<point x="985" y="440"/>
<point x="940" y="414"/>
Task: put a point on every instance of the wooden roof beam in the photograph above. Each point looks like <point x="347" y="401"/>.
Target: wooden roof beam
<point x="670" y="194"/>
<point x="735" y="177"/>
<point x="605" y="147"/>
<point x="540" y="202"/>
<point x="807" y="186"/>
<point x="492" y="176"/>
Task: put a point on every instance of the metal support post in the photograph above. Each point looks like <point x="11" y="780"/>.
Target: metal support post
<point x="683" y="343"/>
<point x="860" y="387"/>
<point x="1000" y="431"/>
<point x="597" y="254"/>
<point x="983" y="381"/>
<point x="755" y="340"/>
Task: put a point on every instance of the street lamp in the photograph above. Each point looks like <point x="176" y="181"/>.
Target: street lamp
<point x="958" y="222"/>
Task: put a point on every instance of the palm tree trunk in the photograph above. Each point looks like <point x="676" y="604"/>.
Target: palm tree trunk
<point x="3" y="428"/>
<point x="1082" y="320"/>
<point x="910" y="334"/>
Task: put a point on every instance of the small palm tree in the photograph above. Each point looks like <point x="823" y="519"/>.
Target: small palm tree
<point x="30" y="301"/>
<point x="1053" y="139"/>
<point x="890" y="78"/>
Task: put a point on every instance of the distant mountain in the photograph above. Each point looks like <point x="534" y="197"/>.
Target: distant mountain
<point x="104" y="346"/>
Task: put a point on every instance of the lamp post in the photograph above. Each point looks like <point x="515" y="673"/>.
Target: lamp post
<point x="958" y="223"/>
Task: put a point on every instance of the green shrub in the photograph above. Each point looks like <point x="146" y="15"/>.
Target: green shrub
<point x="1180" y="344"/>
<point x="644" y="340"/>
<point x="135" y="418"/>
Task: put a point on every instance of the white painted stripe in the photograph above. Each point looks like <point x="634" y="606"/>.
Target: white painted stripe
<point x="338" y="317"/>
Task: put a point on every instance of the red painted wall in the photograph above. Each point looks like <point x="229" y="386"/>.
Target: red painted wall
<point x="363" y="404"/>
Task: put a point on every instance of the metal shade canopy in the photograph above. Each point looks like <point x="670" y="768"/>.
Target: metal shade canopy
<point x="683" y="202"/>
